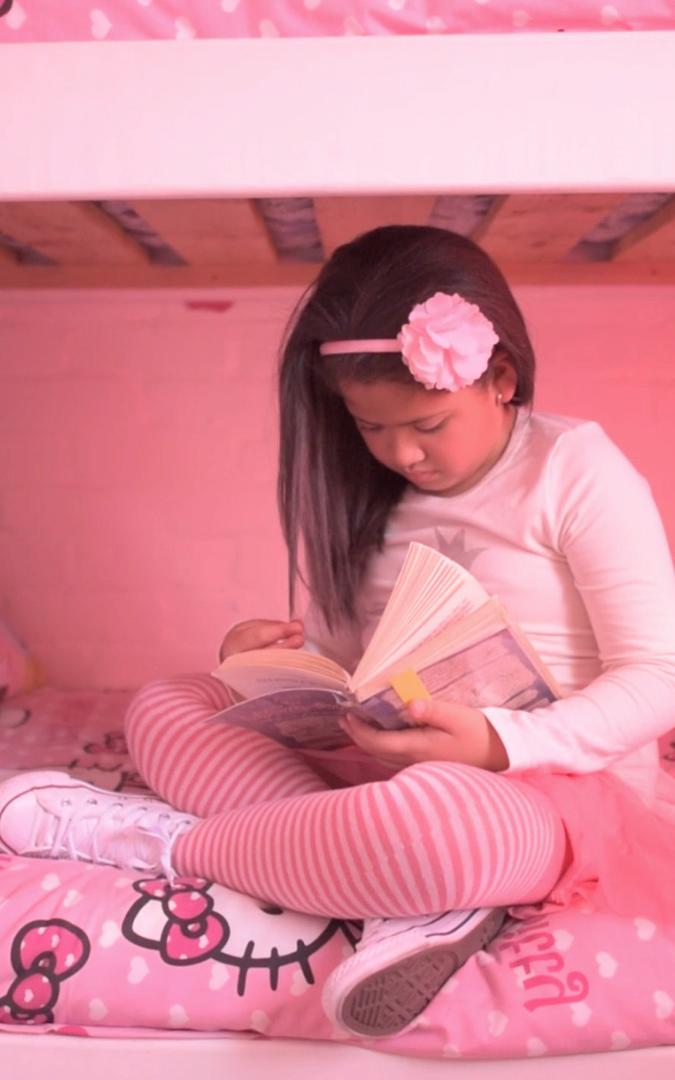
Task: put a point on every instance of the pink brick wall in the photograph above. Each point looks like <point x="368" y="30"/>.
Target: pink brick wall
<point x="137" y="506"/>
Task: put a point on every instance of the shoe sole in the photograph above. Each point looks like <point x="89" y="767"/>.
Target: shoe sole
<point x="385" y="1003"/>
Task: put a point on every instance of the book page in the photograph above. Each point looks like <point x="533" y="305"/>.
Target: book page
<point x="445" y="641"/>
<point x="495" y="671"/>
<point x="430" y="592"/>
<point x="454" y="638"/>
<point x="261" y="671"/>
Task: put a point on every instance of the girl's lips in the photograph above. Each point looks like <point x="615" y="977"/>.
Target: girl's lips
<point x="421" y="477"/>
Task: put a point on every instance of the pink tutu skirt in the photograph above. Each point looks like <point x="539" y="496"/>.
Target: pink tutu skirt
<point x="623" y="851"/>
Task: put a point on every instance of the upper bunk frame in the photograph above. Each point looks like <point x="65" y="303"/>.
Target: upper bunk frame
<point x="370" y="119"/>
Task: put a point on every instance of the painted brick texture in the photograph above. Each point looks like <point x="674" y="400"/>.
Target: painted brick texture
<point x="137" y="458"/>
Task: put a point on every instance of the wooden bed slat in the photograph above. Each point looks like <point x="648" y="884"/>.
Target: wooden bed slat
<point x="158" y="276"/>
<point x="652" y="239"/>
<point x="70" y="233"/>
<point x="292" y="228"/>
<point x="542" y="227"/>
<point x="341" y="218"/>
<point x="465" y="214"/>
<point x="232" y="242"/>
<point x="292" y="274"/>
<point x="210" y="231"/>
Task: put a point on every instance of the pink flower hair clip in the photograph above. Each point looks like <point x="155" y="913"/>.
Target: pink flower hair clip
<point x="446" y="343"/>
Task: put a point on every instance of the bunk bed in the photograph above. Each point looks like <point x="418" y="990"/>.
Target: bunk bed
<point x="196" y="146"/>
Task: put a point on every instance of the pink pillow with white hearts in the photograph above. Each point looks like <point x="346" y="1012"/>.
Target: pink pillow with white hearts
<point x="94" y="950"/>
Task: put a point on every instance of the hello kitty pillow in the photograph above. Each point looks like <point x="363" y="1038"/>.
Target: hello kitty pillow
<point x="94" y="950"/>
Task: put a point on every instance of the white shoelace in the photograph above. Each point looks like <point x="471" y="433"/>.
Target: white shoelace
<point x="108" y="827"/>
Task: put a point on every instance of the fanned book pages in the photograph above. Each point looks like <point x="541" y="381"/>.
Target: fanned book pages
<point x="440" y="635"/>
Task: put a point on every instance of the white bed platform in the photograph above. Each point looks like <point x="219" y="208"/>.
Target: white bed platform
<point x="64" y="1057"/>
<point x="373" y="116"/>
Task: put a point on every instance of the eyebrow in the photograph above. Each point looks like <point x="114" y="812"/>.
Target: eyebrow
<point x="408" y="423"/>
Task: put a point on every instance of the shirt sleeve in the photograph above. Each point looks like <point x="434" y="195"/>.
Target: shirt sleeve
<point x="607" y="526"/>
<point x="343" y="645"/>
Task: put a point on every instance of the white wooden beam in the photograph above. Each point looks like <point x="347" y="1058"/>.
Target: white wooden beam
<point x="321" y="116"/>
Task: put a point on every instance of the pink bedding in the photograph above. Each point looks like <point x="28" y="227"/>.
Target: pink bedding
<point x="94" y="950"/>
<point x="125" y="20"/>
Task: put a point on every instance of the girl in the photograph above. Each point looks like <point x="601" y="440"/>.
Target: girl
<point x="405" y="390"/>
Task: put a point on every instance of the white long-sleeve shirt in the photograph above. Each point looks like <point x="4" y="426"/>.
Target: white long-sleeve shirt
<point x="565" y="532"/>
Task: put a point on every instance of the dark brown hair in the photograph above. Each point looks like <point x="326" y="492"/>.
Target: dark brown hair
<point x="334" y="497"/>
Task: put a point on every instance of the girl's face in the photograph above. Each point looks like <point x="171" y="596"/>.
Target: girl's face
<point x="442" y="442"/>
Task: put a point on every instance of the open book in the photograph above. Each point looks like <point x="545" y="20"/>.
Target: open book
<point x="440" y="635"/>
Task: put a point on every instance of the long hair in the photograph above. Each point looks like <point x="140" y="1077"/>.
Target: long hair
<point x="334" y="497"/>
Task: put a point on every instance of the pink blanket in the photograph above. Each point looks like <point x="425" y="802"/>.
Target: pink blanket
<point x="94" y="950"/>
<point x="125" y="20"/>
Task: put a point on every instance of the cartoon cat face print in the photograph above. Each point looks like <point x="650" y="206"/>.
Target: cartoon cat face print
<point x="192" y="920"/>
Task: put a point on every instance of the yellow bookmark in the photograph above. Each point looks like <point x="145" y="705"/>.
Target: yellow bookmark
<point x="408" y="685"/>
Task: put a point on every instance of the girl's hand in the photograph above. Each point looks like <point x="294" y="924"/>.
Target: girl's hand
<point x="443" y="731"/>
<point x="262" y="634"/>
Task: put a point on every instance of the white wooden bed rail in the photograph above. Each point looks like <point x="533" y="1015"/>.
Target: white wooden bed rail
<point x="228" y="118"/>
<point x="71" y="1058"/>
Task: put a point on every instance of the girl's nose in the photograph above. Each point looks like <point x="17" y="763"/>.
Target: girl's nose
<point x="405" y="451"/>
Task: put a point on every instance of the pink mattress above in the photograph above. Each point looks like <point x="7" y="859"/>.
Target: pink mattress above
<point x="127" y="20"/>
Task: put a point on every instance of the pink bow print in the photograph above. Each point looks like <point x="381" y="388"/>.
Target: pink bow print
<point x="193" y="931"/>
<point x="44" y="953"/>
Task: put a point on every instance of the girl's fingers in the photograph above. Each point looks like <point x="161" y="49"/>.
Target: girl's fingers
<point x="448" y="732"/>
<point x="293" y="641"/>
<point x="417" y="712"/>
<point x="274" y="633"/>
<point x="395" y="744"/>
<point x="262" y="634"/>
<point x="443" y="715"/>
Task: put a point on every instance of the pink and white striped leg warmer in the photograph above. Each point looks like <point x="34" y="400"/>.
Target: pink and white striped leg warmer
<point x="435" y="836"/>
<point x="205" y="768"/>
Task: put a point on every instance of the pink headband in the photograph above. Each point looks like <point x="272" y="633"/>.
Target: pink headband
<point x="446" y="343"/>
<point x="354" y="345"/>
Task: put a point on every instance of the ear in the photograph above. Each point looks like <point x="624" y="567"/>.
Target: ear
<point x="504" y="379"/>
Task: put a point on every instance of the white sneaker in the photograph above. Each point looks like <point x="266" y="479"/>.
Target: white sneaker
<point x="400" y="965"/>
<point x="53" y="815"/>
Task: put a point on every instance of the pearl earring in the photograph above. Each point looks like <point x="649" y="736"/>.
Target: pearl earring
<point x="499" y="398"/>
